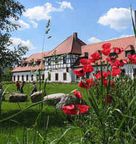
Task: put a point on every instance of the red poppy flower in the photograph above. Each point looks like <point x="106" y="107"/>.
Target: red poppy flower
<point x="85" y="61"/>
<point x="75" y="109"/>
<point x="106" y="46"/>
<point x="115" y="71"/>
<point x="77" y="94"/>
<point x="116" y="63"/>
<point x="83" y="108"/>
<point x="90" y="82"/>
<point x="118" y="50"/>
<point x="106" y="83"/>
<point x="106" y="51"/>
<point x="110" y="60"/>
<point x="98" y="75"/>
<point x="79" y="72"/>
<point x="69" y="109"/>
<point x="88" y="68"/>
<point x="95" y="56"/>
<point x="123" y="62"/>
<point x="132" y="58"/>
<point x="106" y="74"/>
<point x="86" y="84"/>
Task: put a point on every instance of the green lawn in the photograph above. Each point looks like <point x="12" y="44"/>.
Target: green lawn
<point x="27" y="126"/>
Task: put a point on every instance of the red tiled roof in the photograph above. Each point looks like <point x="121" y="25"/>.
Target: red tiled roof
<point x="36" y="56"/>
<point x="33" y="57"/>
<point x="71" y="45"/>
<point x="74" y="45"/>
<point x="121" y="42"/>
<point x="28" y="68"/>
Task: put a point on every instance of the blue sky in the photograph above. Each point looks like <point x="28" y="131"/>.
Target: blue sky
<point x="94" y="20"/>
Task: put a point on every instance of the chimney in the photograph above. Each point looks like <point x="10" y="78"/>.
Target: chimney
<point x="75" y="35"/>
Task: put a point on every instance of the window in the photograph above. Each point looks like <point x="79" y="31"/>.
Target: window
<point x="38" y="62"/>
<point x="31" y="77"/>
<point x="129" y="52"/>
<point x="18" y="77"/>
<point x="113" y="54"/>
<point x="64" y="76"/>
<point x="24" y="64"/>
<point x="134" y="71"/>
<point x="86" y="54"/>
<point x="49" y="61"/>
<point x="42" y="76"/>
<point x="56" y="59"/>
<point x="77" y="78"/>
<point x="64" y="59"/>
<point x="26" y="77"/>
<point x="14" y="78"/>
<point x="22" y="77"/>
<point x="123" y="71"/>
<point x="56" y="76"/>
<point x="67" y="69"/>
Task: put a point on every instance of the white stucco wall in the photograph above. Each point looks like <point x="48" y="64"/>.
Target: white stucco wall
<point x="60" y="73"/>
<point x="70" y="76"/>
<point x="129" y="69"/>
<point x="16" y="74"/>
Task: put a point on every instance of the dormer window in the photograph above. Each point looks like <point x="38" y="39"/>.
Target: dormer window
<point x="131" y="51"/>
<point x="24" y="64"/>
<point x="31" y="63"/>
<point x="38" y="62"/>
<point x="113" y="55"/>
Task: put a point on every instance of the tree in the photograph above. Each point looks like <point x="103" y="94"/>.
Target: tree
<point x="10" y="11"/>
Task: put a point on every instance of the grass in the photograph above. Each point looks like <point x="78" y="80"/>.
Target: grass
<point x="113" y="123"/>
<point x="23" y="127"/>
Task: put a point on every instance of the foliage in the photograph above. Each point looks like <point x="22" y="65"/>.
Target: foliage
<point x="111" y="97"/>
<point x="53" y="127"/>
<point x="10" y="11"/>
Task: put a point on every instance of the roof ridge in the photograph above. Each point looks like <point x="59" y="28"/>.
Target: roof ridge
<point x="120" y="38"/>
<point x="111" y="40"/>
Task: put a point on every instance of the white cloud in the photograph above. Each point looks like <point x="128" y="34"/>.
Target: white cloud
<point x="65" y="4"/>
<point x="93" y="40"/>
<point x="16" y="41"/>
<point x="34" y="24"/>
<point x="125" y="35"/>
<point x="39" y="12"/>
<point x="44" y="12"/>
<point x="116" y="18"/>
<point x="23" y="25"/>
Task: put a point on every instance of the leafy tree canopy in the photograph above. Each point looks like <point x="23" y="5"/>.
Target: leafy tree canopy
<point x="10" y="11"/>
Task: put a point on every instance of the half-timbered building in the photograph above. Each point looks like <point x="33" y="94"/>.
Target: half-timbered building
<point x="58" y="64"/>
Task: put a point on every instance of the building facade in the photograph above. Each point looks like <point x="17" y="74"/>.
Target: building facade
<point x="57" y="65"/>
